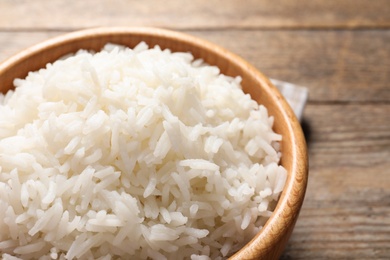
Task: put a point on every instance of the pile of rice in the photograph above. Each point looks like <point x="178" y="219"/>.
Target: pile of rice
<point x="133" y="153"/>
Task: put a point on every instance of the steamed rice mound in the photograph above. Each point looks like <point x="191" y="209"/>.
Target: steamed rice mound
<point x="133" y="153"/>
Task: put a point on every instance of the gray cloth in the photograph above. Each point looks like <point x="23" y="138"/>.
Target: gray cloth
<point x="295" y="95"/>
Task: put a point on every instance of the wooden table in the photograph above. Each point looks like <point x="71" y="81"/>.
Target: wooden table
<point x="340" y="50"/>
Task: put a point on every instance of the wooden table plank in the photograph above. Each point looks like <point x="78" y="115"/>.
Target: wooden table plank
<point x="336" y="66"/>
<point x="346" y="213"/>
<point x="351" y="212"/>
<point x="353" y="135"/>
<point x="60" y="14"/>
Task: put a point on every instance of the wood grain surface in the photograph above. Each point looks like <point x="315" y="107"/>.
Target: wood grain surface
<point x="202" y="14"/>
<point x="338" y="49"/>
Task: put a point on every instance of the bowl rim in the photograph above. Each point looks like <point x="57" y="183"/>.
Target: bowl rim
<point x="280" y="223"/>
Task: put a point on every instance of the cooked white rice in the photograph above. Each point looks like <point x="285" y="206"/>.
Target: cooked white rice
<point x="133" y="153"/>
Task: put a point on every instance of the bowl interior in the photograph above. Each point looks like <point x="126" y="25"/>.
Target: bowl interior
<point x="271" y="240"/>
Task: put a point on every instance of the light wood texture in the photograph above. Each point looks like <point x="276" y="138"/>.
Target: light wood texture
<point x="334" y="65"/>
<point x="338" y="49"/>
<point x="346" y="213"/>
<point x="60" y="14"/>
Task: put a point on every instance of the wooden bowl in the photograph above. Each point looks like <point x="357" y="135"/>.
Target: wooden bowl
<point x="270" y="242"/>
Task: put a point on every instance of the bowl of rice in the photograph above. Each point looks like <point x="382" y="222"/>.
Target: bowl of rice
<point x="144" y="143"/>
